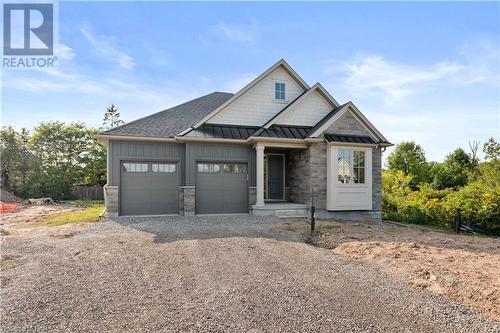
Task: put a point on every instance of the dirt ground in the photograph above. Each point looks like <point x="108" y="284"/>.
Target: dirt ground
<point x="25" y="220"/>
<point x="462" y="267"/>
<point x="202" y="274"/>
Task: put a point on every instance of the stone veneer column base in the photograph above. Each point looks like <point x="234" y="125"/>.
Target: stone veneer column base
<point x="187" y="200"/>
<point x="111" y="200"/>
<point x="252" y="197"/>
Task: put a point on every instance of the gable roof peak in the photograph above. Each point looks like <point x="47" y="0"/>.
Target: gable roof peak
<point x="271" y="69"/>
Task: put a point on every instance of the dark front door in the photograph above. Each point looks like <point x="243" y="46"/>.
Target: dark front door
<point x="276" y="177"/>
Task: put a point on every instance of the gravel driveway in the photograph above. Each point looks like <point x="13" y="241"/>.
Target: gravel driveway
<point x="206" y="274"/>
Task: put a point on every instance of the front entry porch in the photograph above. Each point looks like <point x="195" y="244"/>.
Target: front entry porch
<point x="275" y="180"/>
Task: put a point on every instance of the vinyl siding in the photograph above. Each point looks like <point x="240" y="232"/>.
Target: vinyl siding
<point x="256" y="106"/>
<point x="308" y="112"/>
<point x="196" y="152"/>
<point x="129" y="150"/>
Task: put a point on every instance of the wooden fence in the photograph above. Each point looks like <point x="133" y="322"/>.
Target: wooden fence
<point x="87" y="193"/>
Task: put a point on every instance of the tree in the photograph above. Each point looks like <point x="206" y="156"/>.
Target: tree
<point x="94" y="160"/>
<point x="491" y="149"/>
<point x="111" y="117"/>
<point x="454" y="172"/>
<point x="474" y="146"/>
<point x="409" y="158"/>
<point x="59" y="150"/>
<point x="9" y="151"/>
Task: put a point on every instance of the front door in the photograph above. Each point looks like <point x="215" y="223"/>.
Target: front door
<point x="275" y="176"/>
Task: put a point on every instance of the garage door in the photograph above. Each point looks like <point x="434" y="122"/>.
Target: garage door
<point x="149" y="188"/>
<point x="221" y="188"/>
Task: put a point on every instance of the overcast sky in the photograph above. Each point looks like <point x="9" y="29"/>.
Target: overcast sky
<point x="428" y="72"/>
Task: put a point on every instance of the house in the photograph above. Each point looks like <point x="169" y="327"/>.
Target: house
<point x="273" y="148"/>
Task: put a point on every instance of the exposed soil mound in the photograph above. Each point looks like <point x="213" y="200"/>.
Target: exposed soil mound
<point x="9" y="197"/>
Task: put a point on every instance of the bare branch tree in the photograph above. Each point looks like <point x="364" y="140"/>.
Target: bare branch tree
<point x="474" y="146"/>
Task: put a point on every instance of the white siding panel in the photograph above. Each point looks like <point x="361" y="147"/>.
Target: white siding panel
<point x="257" y="105"/>
<point x="307" y="112"/>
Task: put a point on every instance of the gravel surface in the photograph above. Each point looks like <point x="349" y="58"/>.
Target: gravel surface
<point x="205" y="274"/>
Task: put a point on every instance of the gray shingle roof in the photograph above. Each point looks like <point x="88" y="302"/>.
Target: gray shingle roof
<point x="170" y="122"/>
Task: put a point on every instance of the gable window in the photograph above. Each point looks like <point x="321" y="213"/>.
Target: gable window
<point x="351" y="166"/>
<point x="279" y="91"/>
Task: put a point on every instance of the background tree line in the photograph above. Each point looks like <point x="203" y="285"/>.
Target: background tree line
<point x="53" y="157"/>
<point x="417" y="191"/>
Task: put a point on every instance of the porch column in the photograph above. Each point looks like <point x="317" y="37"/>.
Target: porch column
<point x="260" y="175"/>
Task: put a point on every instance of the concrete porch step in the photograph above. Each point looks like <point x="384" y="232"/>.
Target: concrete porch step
<point x="281" y="210"/>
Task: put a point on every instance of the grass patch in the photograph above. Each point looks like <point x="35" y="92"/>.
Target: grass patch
<point x="391" y="231"/>
<point x="452" y="281"/>
<point x="90" y="214"/>
<point x="83" y="203"/>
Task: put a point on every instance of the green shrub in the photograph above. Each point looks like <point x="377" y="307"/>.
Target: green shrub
<point x="478" y="202"/>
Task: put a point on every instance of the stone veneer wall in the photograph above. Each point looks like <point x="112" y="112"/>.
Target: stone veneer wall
<point x="377" y="179"/>
<point x="187" y="202"/>
<point x="252" y="197"/>
<point x="111" y="197"/>
<point x="307" y="174"/>
<point x="307" y="171"/>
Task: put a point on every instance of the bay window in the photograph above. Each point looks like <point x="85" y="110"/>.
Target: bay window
<point x="351" y="166"/>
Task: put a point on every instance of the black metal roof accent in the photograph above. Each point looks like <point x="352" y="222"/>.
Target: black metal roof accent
<point x="285" y="131"/>
<point x="332" y="137"/>
<point x="170" y="122"/>
<point x="221" y="131"/>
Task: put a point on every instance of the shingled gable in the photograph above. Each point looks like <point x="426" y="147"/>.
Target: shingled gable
<point x="281" y="63"/>
<point x="277" y="119"/>
<point x="333" y="116"/>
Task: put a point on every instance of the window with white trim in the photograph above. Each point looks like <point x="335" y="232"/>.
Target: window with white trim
<point x="163" y="167"/>
<point x="351" y="168"/>
<point x="279" y="91"/>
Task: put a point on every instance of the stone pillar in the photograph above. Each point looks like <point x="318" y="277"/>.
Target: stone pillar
<point x="111" y="197"/>
<point x="252" y="196"/>
<point x="188" y="200"/>
<point x="260" y="175"/>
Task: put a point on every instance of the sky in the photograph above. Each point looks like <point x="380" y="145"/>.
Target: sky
<point x="423" y="72"/>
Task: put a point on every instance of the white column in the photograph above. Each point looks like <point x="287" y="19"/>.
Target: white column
<point x="260" y="175"/>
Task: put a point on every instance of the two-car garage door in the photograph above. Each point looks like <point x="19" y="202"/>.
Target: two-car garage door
<point x="149" y="188"/>
<point x="221" y="188"/>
